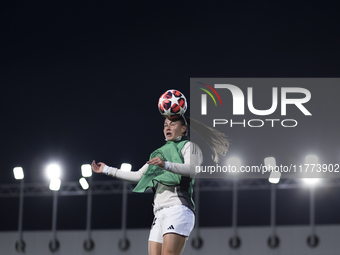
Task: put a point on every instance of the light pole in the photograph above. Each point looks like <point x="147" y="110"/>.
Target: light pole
<point x="53" y="173"/>
<point x="19" y="175"/>
<point x="197" y="241"/>
<point x="124" y="243"/>
<point x="312" y="239"/>
<point x="234" y="241"/>
<point x="86" y="172"/>
<point x="274" y="178"/>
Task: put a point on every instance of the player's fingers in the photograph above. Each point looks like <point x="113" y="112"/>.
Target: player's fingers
<point x="96" y="167"/>
<point x="154" y="161"/>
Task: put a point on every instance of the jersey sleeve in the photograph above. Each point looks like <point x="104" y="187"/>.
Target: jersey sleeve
<point x="192" y="156"/>
<point x="133" y="176"/>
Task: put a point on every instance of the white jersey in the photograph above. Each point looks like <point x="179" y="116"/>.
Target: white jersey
<point x="166" y="196"/>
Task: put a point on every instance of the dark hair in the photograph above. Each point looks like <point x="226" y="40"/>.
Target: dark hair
<point x="216" y="140"/>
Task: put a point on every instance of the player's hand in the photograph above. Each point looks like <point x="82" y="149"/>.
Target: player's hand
<point x="97" y="168"/>
<point x="157" y="161"/>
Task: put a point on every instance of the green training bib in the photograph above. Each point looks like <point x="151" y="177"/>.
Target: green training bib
<point x="171" y="152"/>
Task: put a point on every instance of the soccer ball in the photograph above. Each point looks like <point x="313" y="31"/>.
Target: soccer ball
<point x="172" y="104"/>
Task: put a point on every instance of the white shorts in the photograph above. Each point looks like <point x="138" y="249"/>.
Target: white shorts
<point x="177" y="219"/>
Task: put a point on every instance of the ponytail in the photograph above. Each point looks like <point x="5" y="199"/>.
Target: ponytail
<point x="216" y="140"/>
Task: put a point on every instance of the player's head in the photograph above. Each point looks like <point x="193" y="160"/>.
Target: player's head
<point x="174" y="128"/>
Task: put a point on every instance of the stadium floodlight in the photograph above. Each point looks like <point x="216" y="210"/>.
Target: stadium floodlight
<point x="311" y="160"/>
<point x="53" y="171"/>
<point x="270" y="163"/>
<point x="126" y="167"/>
<point x="234" y="163"/>
<point x="86" y="170"/>
<point x="18" y="173"/>
<point x="311" y="181"/>
<point x="84" y="184"/>
<point x="274" y="177"/>
<point x="55" y="184"/>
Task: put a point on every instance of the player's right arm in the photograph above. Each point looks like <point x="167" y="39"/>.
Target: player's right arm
<point x="133" y="176"/>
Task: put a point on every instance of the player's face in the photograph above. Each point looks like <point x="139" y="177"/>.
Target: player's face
<point x="173" y="129"/>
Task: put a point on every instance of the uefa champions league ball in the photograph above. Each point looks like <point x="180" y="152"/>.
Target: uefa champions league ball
<point x="172" y="104"/>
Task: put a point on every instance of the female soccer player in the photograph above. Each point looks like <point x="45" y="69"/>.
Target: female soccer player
<point x="169" y="169"/>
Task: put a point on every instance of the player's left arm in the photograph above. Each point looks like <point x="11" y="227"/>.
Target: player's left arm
<point x="192" y="156"/>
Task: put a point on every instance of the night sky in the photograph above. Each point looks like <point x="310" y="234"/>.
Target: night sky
<point x="81" y="81"/>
